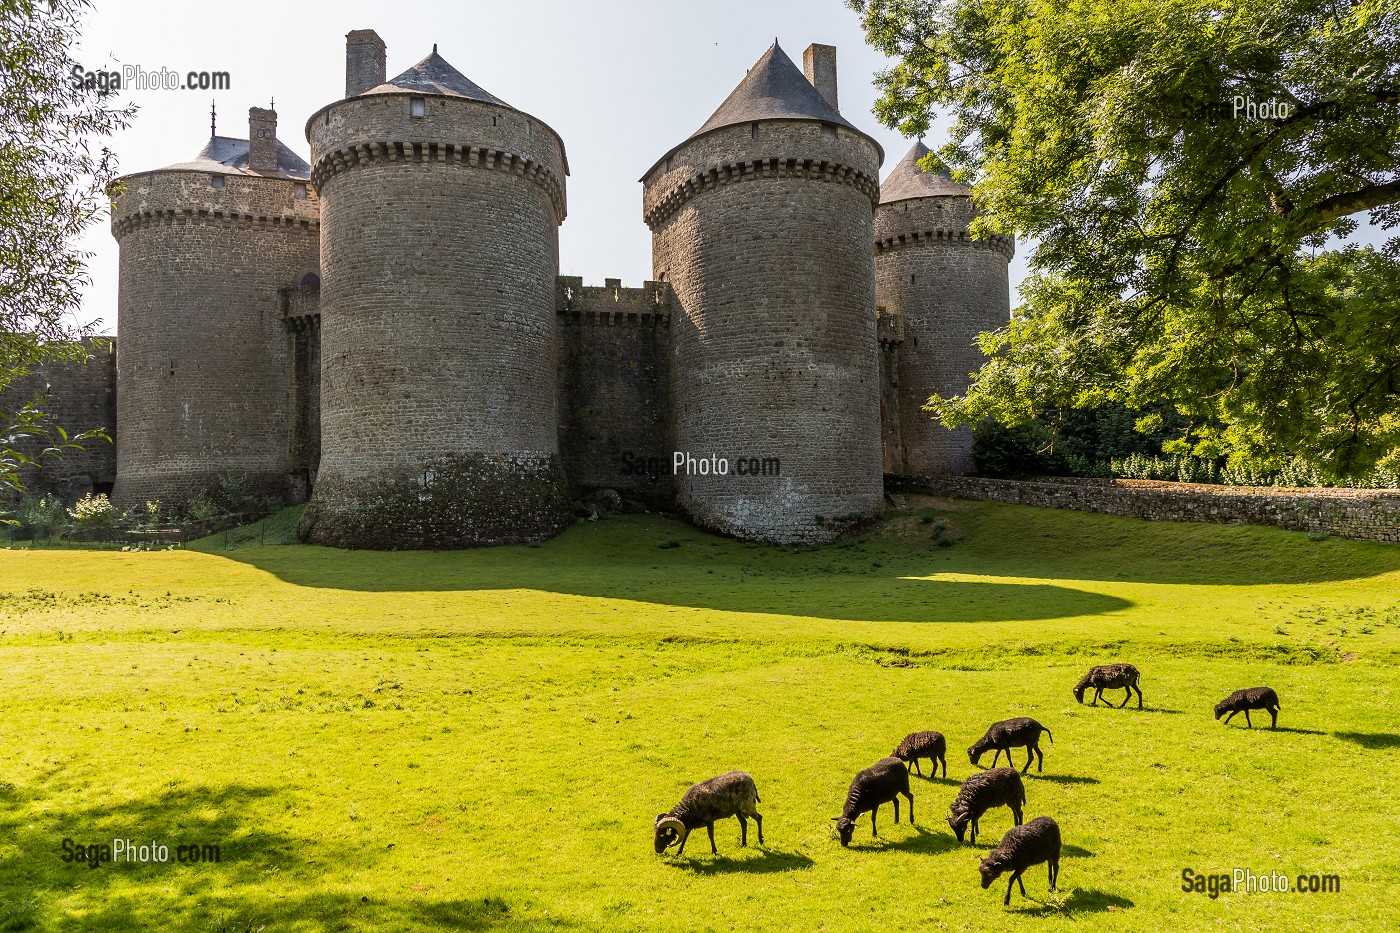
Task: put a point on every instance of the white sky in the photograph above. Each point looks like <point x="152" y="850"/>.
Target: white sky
<point x="622" y="81"/>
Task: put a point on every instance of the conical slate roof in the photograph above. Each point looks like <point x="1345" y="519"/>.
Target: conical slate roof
<point x="907" y="180"/>
<point x="774" y="89"/>
<point x="433" y="75"/>
<point x="224" y="155"/>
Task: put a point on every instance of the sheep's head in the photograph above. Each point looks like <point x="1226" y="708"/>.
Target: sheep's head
<point x="1079" y="689"/>
<point x="976" y="751"/>
<point x="845" y="828"/>
<point x="990" y="870"/>
<point x="1222" y="708"/>
<point x="958" y="823"/>
<point x="669" y="831"/>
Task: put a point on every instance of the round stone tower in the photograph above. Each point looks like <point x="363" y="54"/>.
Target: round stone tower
<point x="440" y="209"/>
<point x="761" y="223"/>
<point x="943" y="288"/>
<point x="206" y="246"/>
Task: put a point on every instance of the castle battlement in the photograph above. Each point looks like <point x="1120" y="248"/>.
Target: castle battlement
<point x="611" y="303"/>
<point x="1005" y="245"/>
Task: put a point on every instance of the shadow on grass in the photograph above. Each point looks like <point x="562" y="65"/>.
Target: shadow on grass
<point x="234" y="893"/>
<point x="1161" y="710"/>
<point x="1080" y="901"/>
<point x="1064" y="778"/>
<point x="711" y="574"/>
<point x="1296" y="731"/>
<point x="1371" y="740"/>
<point x="1076" y="852"/>
<point x="770" y="861"/>
<point x="923" y="840"/>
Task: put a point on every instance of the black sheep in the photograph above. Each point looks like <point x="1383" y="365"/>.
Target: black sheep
<point x="1242" y="701"/>
<point x="882" y="782"/>
<point x="999" y="787"/>
<point x="1109" y="677"/>
<point x="1012" y="733"/>
<point x="930" y="745"/>
<point x="1023" y="846"/>
<point x="732" y="794"/>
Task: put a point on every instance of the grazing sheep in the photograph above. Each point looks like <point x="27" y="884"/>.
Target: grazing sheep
<point x="1023" y="846"/>
<point x="732" y="794"/>
<point x="882" y="782"/>
<point x="1242" y="701"/>
<point x="1008" y="734"/>
<point x="999" y="787"/>
<point x="1109" y="677"/>
<point x="930" y="745"/>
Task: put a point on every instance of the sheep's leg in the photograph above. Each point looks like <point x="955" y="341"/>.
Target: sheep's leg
<point x="1246" y="719"/>
<point x="917" y="768"/>
<point x="943" y="759"/>
<point x="1127" y="695"/>
<point x="1273" y="716"/>
<point x="1231" y="716"/>
<point x="873" y="830"/>
<point x="759" y="820"/>
<point x="1006" y="901"/>
<point x="1030" y="756"/>
<point x="996" y="758"/>
<point x="973" y="840"/>
<point x="1139" y="693"/>
<point x="1054" y="872"/>
<point x="896" y="809"/>
<point x="685" y="834"/>
<point x="1098" y="692"/>
<point x="1040" y="758"/>
<point x="743" y="830"/>
<point x="1016" y="813"/>
<point x="911" y="806"/>
<point x="710" y="828"/>
<point x="1021" y="883"/>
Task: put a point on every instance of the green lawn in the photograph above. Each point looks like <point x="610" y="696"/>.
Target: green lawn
<point x="481" y="740"/>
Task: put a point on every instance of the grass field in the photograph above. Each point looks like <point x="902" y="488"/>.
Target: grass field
<point x="481" y="740"/>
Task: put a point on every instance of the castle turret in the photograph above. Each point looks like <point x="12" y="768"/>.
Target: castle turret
<point x="943" y="288"/>
<point x="206" y="245"/>
<point x="762" y="223"/>
<point x="440" y="210"/>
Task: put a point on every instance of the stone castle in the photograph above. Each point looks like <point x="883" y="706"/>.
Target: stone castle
<point x="384" y="332"/>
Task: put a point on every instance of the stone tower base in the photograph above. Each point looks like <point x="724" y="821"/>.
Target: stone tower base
<point x="452" y="502"/>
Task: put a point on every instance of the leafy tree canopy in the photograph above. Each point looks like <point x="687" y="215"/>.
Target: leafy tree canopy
<point x="1181" y="165"/>
<point x="52" y="186"/>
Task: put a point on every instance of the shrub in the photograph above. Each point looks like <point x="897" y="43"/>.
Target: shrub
<point x="234" y="493"/>
<point x="201" y="508"/>
<point x="94" y="511"/>
<point x="40" y="514"/>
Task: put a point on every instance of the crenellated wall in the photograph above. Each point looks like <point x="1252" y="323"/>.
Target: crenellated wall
<point x="614" y="389"/>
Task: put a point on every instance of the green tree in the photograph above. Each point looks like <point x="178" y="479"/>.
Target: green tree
<point x="1181" y="165"/>
<point x="53" y="182"/>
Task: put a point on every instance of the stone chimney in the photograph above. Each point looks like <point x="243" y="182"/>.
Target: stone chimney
<point x="364" y="61"/>
<point x="819" y="65"/>
<point x="262" y="140"/>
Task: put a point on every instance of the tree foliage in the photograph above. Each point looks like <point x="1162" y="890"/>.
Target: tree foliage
<point x="53" y="181"/>
<point x="1189" y="249"/>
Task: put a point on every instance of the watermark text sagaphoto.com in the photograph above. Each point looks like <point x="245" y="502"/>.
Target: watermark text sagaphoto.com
<point x="129" y="851"/>
<point x="136" y="78"/>
<point x="1214" y="884"/>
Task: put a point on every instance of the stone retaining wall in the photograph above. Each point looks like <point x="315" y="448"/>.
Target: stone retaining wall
<point x="1368" y="514"/>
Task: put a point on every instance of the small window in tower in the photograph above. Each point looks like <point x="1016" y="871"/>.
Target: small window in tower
<point x="829" y="130"/>
<point x="670" y="160"/>
<point x="417" y="106"/>
<point x="299" y="191"/>
<point x="753" y="130"/>
<point x="529" y="128"/>
<point x="216" y="181"/>
<point x="913" y="279"/>
<point x="493" y="121"/>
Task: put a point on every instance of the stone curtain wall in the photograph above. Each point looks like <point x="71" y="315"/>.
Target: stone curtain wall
<point x="614" y="367"/>
<point x="81" y="397"/>
<point x="1367" y="514"/>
